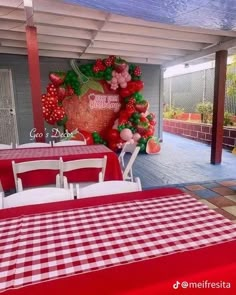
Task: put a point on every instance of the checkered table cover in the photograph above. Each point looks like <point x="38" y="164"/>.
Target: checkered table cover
<point x="48" y="246"/>
<point x="52" y="151"/>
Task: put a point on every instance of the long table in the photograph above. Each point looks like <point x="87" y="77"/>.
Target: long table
<point x="68" y="153"/>
<point x="141" y="243"/>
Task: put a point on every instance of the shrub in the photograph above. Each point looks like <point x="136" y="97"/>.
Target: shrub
<point x="172" y="112"/>
<point x="228" y="119"/>
<point x="205" y="109"/>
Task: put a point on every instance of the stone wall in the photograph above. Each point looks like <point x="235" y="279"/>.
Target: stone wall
<point x="199" y="132"/>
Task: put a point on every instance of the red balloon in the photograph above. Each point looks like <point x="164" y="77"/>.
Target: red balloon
<point x="113" y="135"/>
<point x="139" y="85"/>
<point x="87" y="135"/>
<point x="113" y="146"/>
<point x="124" y="92"/>
<point x="131" y="86"/>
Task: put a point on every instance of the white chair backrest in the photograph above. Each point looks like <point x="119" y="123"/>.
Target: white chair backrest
<point x="69" y="143"/>
<point x="85" y="163"/>
<point x="108" y="188"/>
<point x="1" y="200"/>
<point x="32" y="166"/>
<point x="33" y="145"/>
<point x="38" y="196"/>
<point x="6" y="146"/>
<point x="133" y="149"/>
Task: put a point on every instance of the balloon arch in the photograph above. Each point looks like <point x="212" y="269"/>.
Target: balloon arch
<point x="131" y="123"/>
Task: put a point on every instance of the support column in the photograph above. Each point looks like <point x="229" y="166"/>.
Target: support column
<point x="160" y="105"/>
<point x="34" y="76"/>
<point x="218" y="107"/>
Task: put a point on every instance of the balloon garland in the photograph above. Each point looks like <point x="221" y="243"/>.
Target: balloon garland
<point x="134" y="124"/>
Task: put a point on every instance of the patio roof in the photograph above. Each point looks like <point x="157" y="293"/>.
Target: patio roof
<point x="73" y="31"/>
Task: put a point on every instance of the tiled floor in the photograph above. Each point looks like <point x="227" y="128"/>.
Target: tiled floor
<point x="185" y="163"/>
<point x="217" y="195"/>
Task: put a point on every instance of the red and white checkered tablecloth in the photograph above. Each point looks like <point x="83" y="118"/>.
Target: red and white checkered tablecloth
<point x="48" y="246"/>
<point x="52" y="151"/>
<point x="68" y="153"/>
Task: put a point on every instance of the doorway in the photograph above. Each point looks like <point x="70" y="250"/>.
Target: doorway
<point x="8" y="123"/>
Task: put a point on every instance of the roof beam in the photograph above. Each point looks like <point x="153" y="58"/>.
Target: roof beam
<point x="140" y="22"/>
<point x="127" y="53"/>
<point x="29" y="12"/>
<point x="66" y="21"/>
<point x="131" y="39"/>
<point x="202" y="53"/>
<point x="159" y="33"/>
<point x="139" y="48"/>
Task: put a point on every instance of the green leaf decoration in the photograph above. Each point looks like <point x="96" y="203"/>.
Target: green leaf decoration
<point x="84" y="89"/>
<point x="92" y="84"/>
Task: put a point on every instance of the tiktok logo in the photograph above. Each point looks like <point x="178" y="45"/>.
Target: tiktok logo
<point x="176" y="285"/>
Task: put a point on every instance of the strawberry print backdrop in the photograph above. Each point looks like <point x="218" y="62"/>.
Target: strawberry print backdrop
<point x="103" y="101"/>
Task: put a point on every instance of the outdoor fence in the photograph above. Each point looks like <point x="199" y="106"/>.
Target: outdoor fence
<point x="186" y="91"/>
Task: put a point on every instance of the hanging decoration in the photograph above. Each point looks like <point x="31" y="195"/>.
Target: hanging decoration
<point x="106" y="93"/>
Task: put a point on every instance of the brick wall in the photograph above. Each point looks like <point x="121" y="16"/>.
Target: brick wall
<point x="199" y="132"/>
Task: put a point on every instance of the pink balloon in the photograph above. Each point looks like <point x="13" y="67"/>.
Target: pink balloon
<point x="136" y="136"/>
<point x="121" y="80"/>
<point x="115" y="125"/>
<point x="131" y="141"/>
<point x="128" y="78"/>
<point x="126" y="134"/>
<point x="123" y="85"/>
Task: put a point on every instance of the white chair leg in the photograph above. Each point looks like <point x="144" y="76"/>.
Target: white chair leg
<point x="19" y="187"/>
<point x="71" y="191"/>
<point x="58" y="181"/>
<point x="77" y="191"/>
<point x="65" y="183"/>
<point x="1" y="200"/>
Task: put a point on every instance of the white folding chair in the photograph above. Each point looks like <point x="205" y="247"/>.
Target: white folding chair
<point x="108" y="188"/>
<point x="33" y="145"/>
<point x="69" y="143"/>
<point x="38" y="196"/>
<point x="35" y="165"/>
<point x="128" y="148"/>
<point x="81" y="164"/>
<point x="6" y="146"/>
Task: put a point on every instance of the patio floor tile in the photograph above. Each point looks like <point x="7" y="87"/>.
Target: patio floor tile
<point x="206" y="193"/>
<point x="194" y="187"/>
<point x="231" y="210"/>
<point x="228" y="183"/>
<point x="224" y="191"/>
<point x="210" y="205"/>
<point x="212" y="185"/>
<point x="225" y="213"/>
<point x="221" y="201"/>
<point x="231" y="197"/>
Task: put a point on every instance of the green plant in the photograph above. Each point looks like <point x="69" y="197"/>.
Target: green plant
<point x="228" y="119"/>
<point x="231" y="78"/>
<point x="172" y="112"/>
<point x="205" y="109"/>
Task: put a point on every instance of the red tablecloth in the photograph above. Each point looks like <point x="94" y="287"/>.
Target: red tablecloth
<point x="136" y="243"/>
<point x="113" y="171"/>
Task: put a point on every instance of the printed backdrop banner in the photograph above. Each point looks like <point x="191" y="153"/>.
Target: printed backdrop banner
<point x="96" y="110"/>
